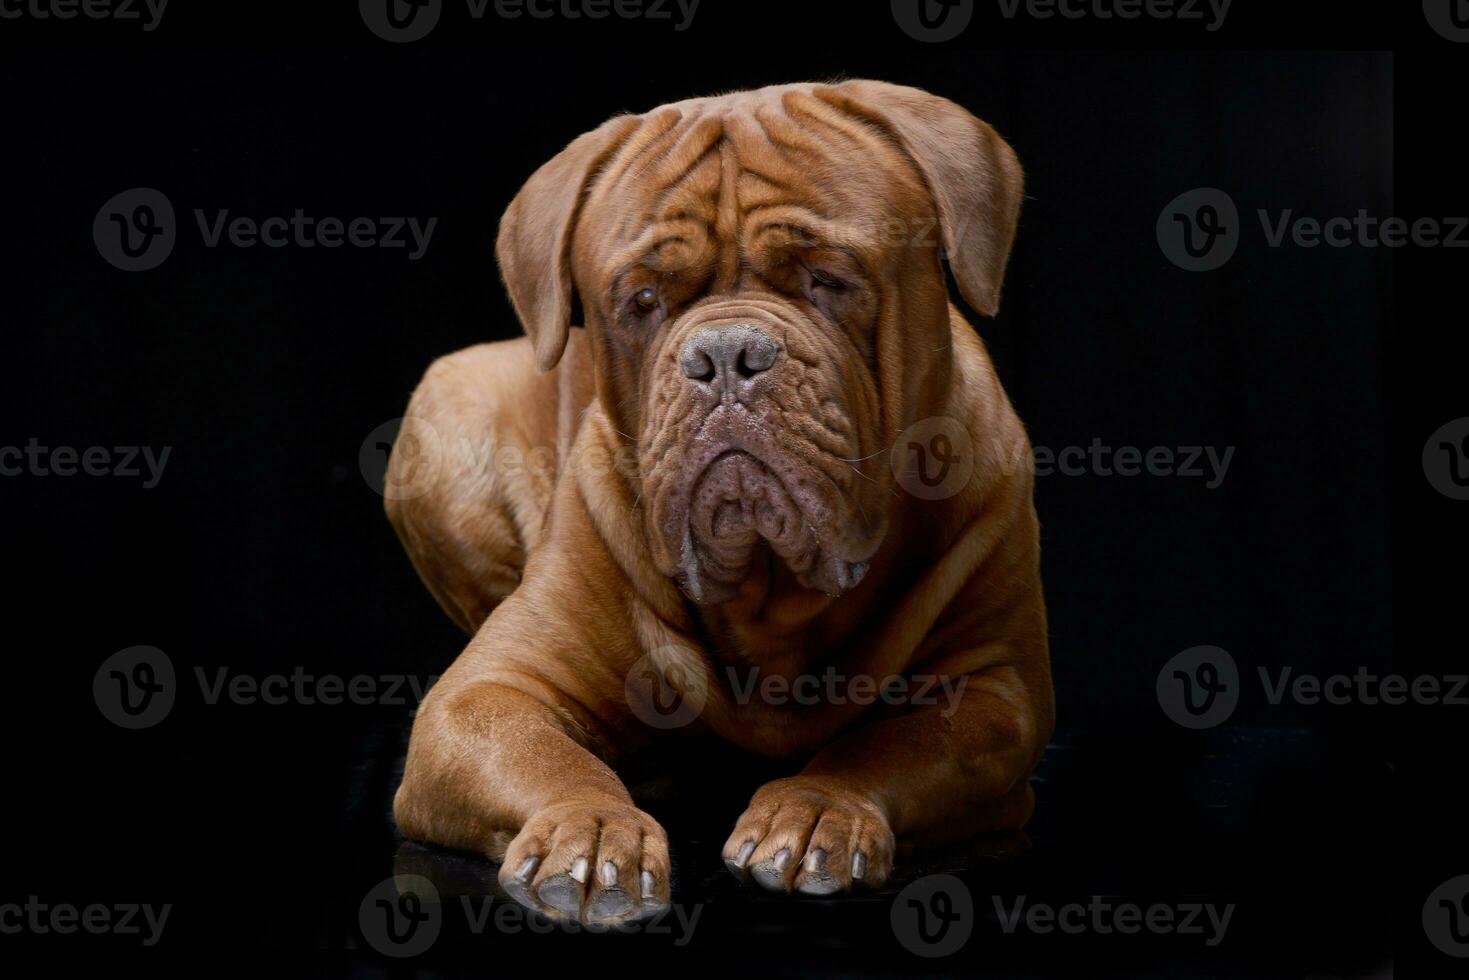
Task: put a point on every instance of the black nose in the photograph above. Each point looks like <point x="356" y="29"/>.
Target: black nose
<point x="726" y="356"/>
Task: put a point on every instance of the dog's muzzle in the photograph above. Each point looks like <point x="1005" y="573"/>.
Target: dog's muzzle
<point x="743" y="482"/>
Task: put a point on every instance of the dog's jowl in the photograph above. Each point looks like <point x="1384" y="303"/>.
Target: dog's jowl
<point x="766" y="323"/>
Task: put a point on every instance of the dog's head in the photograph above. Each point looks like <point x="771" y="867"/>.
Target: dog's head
<point x="761" y="279"/>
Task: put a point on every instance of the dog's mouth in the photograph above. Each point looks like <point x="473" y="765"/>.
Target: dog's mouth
<point x="738" y="498"/>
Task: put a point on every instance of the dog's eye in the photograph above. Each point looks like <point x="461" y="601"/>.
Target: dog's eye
<point x="645" y="300"/>
<point x="823" y="278"/>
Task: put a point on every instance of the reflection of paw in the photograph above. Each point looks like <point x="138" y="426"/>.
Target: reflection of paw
<point x="603" y="862"/>
<point x="812" y="836"/>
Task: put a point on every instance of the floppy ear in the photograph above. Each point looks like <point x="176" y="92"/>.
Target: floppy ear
<point x="973" y="175"/>
<point x="534" y="247"/>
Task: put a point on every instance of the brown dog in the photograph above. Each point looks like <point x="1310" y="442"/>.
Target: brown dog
<point x="700" y="487"/>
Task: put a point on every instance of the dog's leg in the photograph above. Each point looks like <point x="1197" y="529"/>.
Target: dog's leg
<point x="940" y="772"/>
<point x="504" y="767"/>
<point x="471" y="474"/>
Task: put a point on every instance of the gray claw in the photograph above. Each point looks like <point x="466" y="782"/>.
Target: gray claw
<point x="652" y="904"/>
<point x="736" y="865"/>
<point x="770" y="875"/>
<point x="818" y="880"/>
<point x="518" y="887"/>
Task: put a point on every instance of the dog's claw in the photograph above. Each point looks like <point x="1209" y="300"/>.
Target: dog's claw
<point x="818" y="880"/>
<point x="518" y="887"/>
<point x="770" y="875"/>
<point x="736" y="865"/>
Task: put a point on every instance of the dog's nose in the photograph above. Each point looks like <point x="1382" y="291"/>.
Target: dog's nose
<point x="726" y="356"/>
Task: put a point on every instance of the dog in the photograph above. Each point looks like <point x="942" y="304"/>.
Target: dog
<point x="775" y="450"/>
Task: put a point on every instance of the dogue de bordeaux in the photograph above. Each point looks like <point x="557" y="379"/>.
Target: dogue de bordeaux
<point x="747" y="469"/>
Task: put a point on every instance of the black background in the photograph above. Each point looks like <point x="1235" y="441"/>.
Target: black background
<point x="264" y="549"/>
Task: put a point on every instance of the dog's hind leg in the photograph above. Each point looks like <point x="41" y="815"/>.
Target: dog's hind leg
<point x="471" y="473"/>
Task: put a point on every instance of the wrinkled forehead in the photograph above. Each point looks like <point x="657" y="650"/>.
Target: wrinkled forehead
<point x="748" y="167"/>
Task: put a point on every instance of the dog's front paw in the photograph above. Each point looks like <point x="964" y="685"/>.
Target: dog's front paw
<point x="812" y="836"/>
<point x="599" y="862"/>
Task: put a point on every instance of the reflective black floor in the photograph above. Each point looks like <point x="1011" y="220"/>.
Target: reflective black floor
<point x="1241" y="853"/>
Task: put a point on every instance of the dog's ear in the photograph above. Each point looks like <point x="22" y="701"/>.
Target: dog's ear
<point x="974" y="177"/>
<point x="534" y="247"/>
